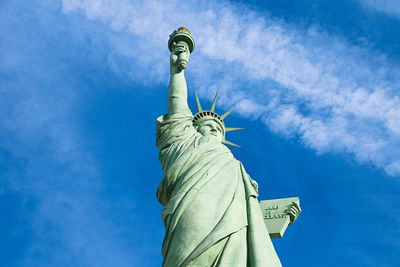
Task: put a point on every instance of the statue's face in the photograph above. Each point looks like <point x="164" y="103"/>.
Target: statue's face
<point x="210" y="127"/>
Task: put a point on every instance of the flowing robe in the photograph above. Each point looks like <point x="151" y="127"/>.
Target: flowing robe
<point x="211" y="212"/>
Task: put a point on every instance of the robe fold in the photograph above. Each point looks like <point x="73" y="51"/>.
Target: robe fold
<point x="211" y="212"/>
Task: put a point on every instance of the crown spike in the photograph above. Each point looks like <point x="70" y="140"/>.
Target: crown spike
<point x="227" y="113"/>
<point x="199" y="108"/>
<point x="226" y="142"/>
<point x="214" y="102"/>
<point x="227" y="129"/>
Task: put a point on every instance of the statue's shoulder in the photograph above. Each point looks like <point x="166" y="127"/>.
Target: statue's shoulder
<point x="177" y="127"/>
<point x="181" y="117"/>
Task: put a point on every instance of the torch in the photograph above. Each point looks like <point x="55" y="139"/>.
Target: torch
<point x="181" y="35"/>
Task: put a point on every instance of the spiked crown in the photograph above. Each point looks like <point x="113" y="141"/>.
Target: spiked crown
<point x="197" y="118"/>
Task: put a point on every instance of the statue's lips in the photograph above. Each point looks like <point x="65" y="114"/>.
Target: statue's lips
<point x="211" y="134"/>
<point x="214" y="134"/>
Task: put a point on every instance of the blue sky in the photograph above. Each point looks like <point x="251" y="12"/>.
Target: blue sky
<point x="316" y="85"/>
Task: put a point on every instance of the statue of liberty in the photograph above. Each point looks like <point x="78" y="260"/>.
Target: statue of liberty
<point x="211" y="212"/>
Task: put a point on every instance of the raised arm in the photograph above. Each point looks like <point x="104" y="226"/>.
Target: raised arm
<point x="177" y="90"/>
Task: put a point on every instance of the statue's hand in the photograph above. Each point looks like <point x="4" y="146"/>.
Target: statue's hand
<point x="254" y="184"/>
<point x="179" y="57"/>
<point x="293" y="211"/>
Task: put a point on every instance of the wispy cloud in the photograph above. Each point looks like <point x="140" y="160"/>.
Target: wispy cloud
<point x="40" y="128"/>
<point x="388" y="7"/>
<point x="302" y="83"/>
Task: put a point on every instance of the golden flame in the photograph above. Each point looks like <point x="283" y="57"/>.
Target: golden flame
<point x="184" y="29"/>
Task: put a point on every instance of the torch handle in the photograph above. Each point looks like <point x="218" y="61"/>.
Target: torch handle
<point x="182" y="61"/>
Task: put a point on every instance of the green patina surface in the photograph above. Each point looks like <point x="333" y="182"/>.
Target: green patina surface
<point x="211" y="212"/>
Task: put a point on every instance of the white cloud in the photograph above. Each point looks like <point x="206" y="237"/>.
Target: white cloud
<point x="302" y="83"/>
<point x="40" y="127"/>
<point x="388" y="7"/>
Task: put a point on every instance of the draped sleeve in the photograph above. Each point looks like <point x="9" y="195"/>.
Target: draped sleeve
<point x="173" y="128"/>
<point x="175" y="135"/>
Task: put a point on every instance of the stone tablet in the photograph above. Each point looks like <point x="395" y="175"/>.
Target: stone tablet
<point x="275" y="215"/>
